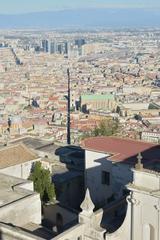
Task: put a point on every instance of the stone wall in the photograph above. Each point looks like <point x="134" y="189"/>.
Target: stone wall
<point x="21" y="170"/>
<point x="23" y="211"/>
<point x="14" y="233"/>
<point x="74" y="233"/>
<point x="95" y="163"/>
<point x="50" y="213"/>
<point x="122" y="175"/>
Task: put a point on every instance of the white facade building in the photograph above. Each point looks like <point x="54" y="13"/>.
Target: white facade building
<point x="153" y="137"/>
<point x="103" y="178"/>
<point x="108" y="164"/>
<point x="17" y="160"/>
<point x="142" y="217"/>
<point x="19" y="204"/>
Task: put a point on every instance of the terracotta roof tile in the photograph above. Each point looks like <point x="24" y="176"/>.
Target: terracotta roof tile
<point x="15" y="154"/>
<point x="122" y="149"/>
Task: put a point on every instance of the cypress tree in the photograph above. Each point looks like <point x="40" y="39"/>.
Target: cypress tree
<point x="42" y="182"/>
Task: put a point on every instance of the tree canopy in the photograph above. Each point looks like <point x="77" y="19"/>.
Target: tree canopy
<point x="107" y="127"/>
<point x="42" y="182"/>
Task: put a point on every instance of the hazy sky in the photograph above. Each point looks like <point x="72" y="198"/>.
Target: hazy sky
<point x="21" y="6"/>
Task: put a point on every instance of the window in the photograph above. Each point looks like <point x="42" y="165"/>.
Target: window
<point x="105" y="178"/>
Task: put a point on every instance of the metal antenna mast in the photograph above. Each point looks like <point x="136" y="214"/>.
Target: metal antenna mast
<point x="68" y="110"/>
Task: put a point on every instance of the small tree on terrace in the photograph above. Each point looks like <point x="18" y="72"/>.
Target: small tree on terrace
<point x="42" y="182"/>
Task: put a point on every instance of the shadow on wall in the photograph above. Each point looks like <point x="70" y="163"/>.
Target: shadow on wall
<point x="69" y="184"/>
<point x="106" y="182"/>
<point x="121" y="177"/>
<point x="59" y="218"/>
<point x="72" y="156"/>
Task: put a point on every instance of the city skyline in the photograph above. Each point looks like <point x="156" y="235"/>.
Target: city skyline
<point x="15" y="7"/>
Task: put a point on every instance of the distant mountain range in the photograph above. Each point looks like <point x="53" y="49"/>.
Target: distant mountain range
<point x="84" y="18"/>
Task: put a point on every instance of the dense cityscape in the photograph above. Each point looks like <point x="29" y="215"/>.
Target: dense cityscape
<point x="80" y="134"/>
<point x="113" y="75"/>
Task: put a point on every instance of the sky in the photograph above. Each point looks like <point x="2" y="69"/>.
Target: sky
<point x="25" y="6"/>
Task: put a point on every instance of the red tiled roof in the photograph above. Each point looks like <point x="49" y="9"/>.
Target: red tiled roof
<point x="53" y="98"/>
<point x="16" y="154"/>
<point x="122" y="149"/>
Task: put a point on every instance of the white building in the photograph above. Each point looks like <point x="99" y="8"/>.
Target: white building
<point x="108" y="164"/>
<point x="153" y="137"/>
<point x="142" y="216"/>
<point x="17" y="160"/>
<point x="19" y="204"/>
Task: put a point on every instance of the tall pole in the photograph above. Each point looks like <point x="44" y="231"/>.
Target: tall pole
<point x="68" y="111"/>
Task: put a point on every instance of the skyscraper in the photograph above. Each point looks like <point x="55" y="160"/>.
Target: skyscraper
<point x="45" y="45"/>
<point x="52" y="47"/>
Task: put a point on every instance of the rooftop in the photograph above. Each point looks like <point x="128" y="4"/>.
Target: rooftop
<point x="15" y="154"/>
<point x="121" y="150"/>
<point x="11" y="191"/>
<point x="31" y="142"/>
